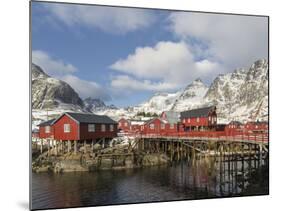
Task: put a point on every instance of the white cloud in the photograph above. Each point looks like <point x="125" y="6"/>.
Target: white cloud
<point x="109" y="19"/>
<point x="125" y="82"/>
<point x="86" y="88"/>
<point x="63" y="71"/>
<point x="50" y="65"/>
<point x="170" y="64"/>
<point x="236" y="41"/>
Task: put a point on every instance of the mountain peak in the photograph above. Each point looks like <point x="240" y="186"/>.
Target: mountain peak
<point x="198" y="80"/>
<point x="37" y="72"/>
<point x="48" y="92"/>
<point x="197" y="83"/>
<point x="96" y="104"/>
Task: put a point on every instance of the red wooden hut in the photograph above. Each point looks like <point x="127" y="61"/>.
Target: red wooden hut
<point x="154" y="126"/>
<point x="257" y="127"/>
<point x="135" y="125"/>
<point x="234" y="127"/>
<point x="82" y="126"/>
<point x="46" y="129"/>
<point x="200" y="119"/>
<point x="124" y="125"/>
<point x="172" y="120"/>
<point x="35" y="133"/>
<point x="166" y="124"/>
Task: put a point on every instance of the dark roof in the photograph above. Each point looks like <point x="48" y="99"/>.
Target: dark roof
<point x="200" y="112"/>
<point x="91" y="118"/>
<point x="235" y="123"/>
<point x="258" y="122"/>
<point x="47" y="123"/>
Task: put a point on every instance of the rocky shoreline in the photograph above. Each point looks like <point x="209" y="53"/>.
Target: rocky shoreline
<point x="115" y="158"/>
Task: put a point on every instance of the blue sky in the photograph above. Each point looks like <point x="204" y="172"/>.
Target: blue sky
<point x="123" y="56"/>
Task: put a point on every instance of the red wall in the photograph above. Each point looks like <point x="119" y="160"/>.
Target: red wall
<point x="86" y="135"/>
<point x="157" y="127"/>
<point x="135" y="128"/>
<point x="59" y="129"/>
<point x="121" y="125"/>
<point x="250" y="127"/>
<point x="232" y="129"/>
<point x="203" y="121"/>
<point x="42" y="133"/>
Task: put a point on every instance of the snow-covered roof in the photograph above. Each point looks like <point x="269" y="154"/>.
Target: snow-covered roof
<point x="47" y="123"/>
<point x="136" y="122"/>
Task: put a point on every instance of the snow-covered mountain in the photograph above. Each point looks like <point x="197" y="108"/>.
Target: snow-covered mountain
<point x="158" y="102"/>
<point x="191" y="96"/>
<point x="241" y="95"/>
<point x="51" y="93"/>
<point x="96" y="105"/>
<point x="51" y="97"/>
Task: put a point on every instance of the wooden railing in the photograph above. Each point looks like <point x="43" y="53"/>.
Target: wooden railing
<point x="234" y="136"/>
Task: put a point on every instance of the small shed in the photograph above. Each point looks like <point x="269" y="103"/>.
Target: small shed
<point x="154" y="126"/>
<point x="136" y="125"/>
<point x="46" y="129"/>
<point x="234" y="127"/>
<point x="35" y="133"/>
<point x="172" y="120"/>
<point x="257" y="127"/>
<point x="124" y="125"/>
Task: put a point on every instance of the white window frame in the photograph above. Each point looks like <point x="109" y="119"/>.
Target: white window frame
<point x="197" y="119"/>
<point x="66" y="128"/>
<point x="91" y="128"/>
<point x="152" y="126"/>
<point x="162" y="126"/>
<point x="172" y="126"/>
<point x="103" y="128"/>
<point x="111" y="128"/>
<point x="47" y="129"/>
<point x="188" y="120"/>
<point x="126" y="124"/>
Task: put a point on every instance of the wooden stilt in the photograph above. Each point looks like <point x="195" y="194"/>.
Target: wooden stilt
<point x="85" y="150"/>
<point x="172" y="150"/>
<point x="178" y="151"/>
<point x="56" y="148"/>
<point x="68" y="146"/>
<point x="48" y="142"/>
<point x="103" y="143"/>
<point x="41" y="146"/>
<point x="75" y="147"/>
<point x="61" y="147"/>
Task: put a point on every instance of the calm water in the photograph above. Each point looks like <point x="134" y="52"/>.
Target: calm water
<point x="186" y="180"/>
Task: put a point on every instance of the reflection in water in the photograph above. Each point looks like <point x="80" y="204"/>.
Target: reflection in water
<point x="200" y="178"/>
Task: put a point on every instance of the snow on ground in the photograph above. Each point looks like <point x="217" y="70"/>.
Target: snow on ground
<point x="123" y="140"/>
